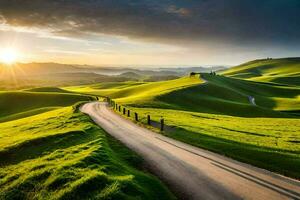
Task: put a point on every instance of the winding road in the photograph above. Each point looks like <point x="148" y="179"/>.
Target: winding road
<point x="191" y="172"/>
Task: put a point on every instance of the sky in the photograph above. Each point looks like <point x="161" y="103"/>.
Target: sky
<point x="150" y="32"/>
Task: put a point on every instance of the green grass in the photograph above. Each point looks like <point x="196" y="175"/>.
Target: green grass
<point x="218" y="116"/>
<point x="269" y="96"/>
<point x="223" y="95"/>
<point x="47" y="89"/>
<point x="220" y="95"/>
<point x="19" y="104"/>
<point x="283" y="71"/>
<point x="270" y="143"/>
<point x="27" y="114"/>
<point x="134" y="92"/>
<point x="61" y="154"/>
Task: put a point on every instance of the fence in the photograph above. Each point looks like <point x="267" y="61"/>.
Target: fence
<point x="125" y="111"/>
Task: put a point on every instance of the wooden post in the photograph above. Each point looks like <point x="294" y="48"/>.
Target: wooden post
<point x="116" y="106"/>
<point x="148" y="120"/>
<point x="162" y="123"/>
<point x="119" y="108"/>
<point x="124" y="111"/>
<point x="136" y="117"/>
<point x="128" y="113"/>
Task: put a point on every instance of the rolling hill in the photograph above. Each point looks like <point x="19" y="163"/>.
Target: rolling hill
<point x="282" y="71"/>
<point x="47" y="89"/>
<point x="133" y="92"/>
<point x="219" y="95"/>
<point x="49" y="150"/>
<point x="61" y="154"/>
<point x="20" y="104"/>
<point x="224" y="95"/>
<point x="214" y="112"/>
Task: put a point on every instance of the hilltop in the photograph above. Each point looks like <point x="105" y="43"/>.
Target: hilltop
<point x="281" y="71"/>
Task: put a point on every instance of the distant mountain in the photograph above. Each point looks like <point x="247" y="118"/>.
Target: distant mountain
<point x="31" y="69"/>
<point x="132" y="75"/>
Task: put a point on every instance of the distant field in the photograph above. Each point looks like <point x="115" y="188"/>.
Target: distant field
<point x="61" y="154"/>
<point x="215" y="113"/>
<point x="283" y="71"/>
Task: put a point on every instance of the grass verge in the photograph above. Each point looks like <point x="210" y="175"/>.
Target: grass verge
<point x="61" y="154"/>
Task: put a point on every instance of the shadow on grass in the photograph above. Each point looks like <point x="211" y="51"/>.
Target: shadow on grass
<point x="37" y="147"/>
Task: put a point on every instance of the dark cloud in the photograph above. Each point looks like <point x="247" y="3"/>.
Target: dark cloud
<point x="246" y="22"/>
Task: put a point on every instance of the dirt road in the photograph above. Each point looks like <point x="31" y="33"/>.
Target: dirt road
<point x="191" y="172"/>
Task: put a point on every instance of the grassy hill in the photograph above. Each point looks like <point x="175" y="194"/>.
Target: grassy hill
<point x="282" y="71"/>
<point x="219" y="95"/>
<point x="47" y="89"/>
<point x="214" y="112"/>
<point x="135" y="92"/>
<point x="19" y="104"/>
<point x="61" y="154"/>
<point x="223" y="95"/>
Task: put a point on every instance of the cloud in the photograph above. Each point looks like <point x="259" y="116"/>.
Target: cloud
<point x="181" y="22"/>
<point x="183" y="12"/>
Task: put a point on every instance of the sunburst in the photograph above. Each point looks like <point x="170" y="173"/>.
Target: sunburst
<point x="8" y="56"/>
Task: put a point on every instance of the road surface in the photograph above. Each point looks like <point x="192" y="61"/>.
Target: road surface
<point x="191" y="172"/>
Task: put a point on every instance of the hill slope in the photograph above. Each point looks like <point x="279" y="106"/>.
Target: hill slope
<point x="282" y="71"/>
<point x="133" y="92"/>
<point x="61" y="154"/>
<point x="223" y="95"/>
<point x="47" y="89"/>
<point x="19" y="104"/>
<point x="219" y="95"/>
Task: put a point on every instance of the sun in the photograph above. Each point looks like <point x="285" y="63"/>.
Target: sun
<point x="8" y="56"/>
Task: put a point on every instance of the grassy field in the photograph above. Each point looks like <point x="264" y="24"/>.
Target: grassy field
<point x="61" y="154"/>
<point x="218" y="116"/>
<point x="283" y="71"/>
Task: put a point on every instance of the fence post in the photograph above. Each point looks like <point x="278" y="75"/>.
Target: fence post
<point x="119" y="108"/>
<point x="136" y="117"/>
<point x="148" y="120"/>
<point x="124" y="111"/>
<point x="162" y="123"/>
<point x="128" y="113"/>
<point x="116" y="106"/>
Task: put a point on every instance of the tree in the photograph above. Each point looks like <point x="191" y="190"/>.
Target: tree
<point x="192" y="74"/>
